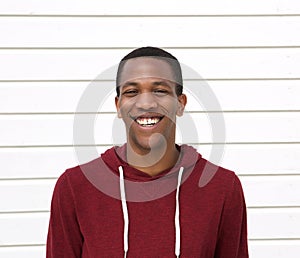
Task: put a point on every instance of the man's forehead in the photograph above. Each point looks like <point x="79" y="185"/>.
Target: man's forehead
<point x="147" y="67"/>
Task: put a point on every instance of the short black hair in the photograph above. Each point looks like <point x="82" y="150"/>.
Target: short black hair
<point x="154" y="52"/>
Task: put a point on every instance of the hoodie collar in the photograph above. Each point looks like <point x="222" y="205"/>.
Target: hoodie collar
<point x="116" y="156"/>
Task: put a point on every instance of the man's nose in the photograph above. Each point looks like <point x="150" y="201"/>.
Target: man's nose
<point x="146" y="101"/>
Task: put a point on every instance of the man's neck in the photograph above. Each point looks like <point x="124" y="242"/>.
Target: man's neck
<point x="155" y="162"/>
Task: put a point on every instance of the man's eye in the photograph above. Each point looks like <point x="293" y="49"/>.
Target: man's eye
<point x="130" y="92"/>
<point x="160" y="92"/>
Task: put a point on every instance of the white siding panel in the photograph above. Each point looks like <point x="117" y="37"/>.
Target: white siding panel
<point x="255" y="159"/>
<point x="262" y="159"/>
<point x="206" y="63"/>
<point x="264" y="127"/>
<point x="134" y="7"/>
<point x="23" y="251"/>
<point x="276" y="249"/>
<point x="59" y="97"/>
<point x="257" y="249"/>
<point x="159" y="31"/>
<point x="262" y="191"/>
<point x="271" y="190"/>
<point x="36" y="162"/>
<point x="40" y="97"/>
<point x="17" y="228"/>
<point x="244" y="95"/>
<point x="24" y="130"/>
<point x="26" y="195"/>
<point x="261" y="223"/>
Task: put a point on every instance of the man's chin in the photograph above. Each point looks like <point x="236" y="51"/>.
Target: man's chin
<point x="145" y="146"/>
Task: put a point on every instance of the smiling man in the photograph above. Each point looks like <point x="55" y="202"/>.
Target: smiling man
<point x="148" y="102"/>
<point x="143" y="199"/>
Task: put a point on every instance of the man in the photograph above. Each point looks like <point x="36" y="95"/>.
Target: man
<point x="143" y="199"/>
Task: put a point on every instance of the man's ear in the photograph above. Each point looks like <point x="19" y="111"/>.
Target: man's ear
<point x="182" y="99"/>
<point x="117" y="106"/>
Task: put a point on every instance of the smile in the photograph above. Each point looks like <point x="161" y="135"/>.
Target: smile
<point x="148" y="121"/>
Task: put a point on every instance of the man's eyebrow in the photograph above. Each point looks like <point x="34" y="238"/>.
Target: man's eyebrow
<point x="129" y="83"/>
<point x="163" y="83"/>
<point x="155" y="83"/>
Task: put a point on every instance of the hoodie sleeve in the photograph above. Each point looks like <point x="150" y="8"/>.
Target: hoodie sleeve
<point x="232" y="239"/>
<point x="64" y="236"/>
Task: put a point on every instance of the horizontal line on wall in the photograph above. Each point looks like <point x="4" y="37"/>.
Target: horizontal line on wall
<point x="48" y="211"/>
<point x="23" y="212"/>
<point x="234" y="47"/>
<point x="122" y="48"/>
<point x="146" y="15"/>
<point x="240" y="175"/>
<point x="114" y="113"/>
<point x="243" y="143"/>
<point x="250" y="239"/>
<point x="55" y="146"/>
<point x="243" y="111"/>
<point x="273" y="207"/>
<point x="28" y="179"/>
<point x="186" y="80"/>
<point x="274" y="239"/>
<point x="269" y="174"/>
<point x="111" y="145"/>
<point x="23" y="245"/>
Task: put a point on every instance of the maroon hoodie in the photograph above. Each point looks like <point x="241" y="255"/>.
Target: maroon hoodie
<point x="87" y="219"/>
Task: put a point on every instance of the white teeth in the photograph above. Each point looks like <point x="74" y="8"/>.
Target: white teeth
<point x="147" y="121"/>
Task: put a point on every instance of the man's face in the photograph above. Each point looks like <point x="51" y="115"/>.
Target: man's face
<point x="148" y="103"/>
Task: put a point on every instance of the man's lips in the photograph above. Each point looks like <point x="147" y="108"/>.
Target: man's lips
<point x="147" y="120"/>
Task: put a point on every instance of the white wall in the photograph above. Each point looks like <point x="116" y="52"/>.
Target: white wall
<point x="248" y="52"/>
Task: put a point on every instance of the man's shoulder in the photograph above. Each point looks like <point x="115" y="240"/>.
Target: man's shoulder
<point x="213" y="173"/>
<point x="76" y="173"/>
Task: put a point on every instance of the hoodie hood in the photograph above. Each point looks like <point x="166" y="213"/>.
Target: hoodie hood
<point x="103" y="173"/>
<point x="116" y="157"/>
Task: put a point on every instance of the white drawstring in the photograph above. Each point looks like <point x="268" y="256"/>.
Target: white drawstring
<point x="177" y="211"/>
<point x="125" y="212"/>
<point x="124" y="209"/>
